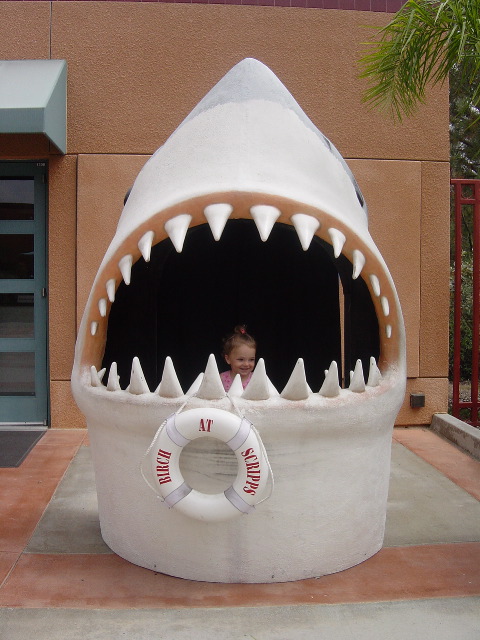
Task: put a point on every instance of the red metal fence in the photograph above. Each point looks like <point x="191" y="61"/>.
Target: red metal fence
<point x="467" y="261"/>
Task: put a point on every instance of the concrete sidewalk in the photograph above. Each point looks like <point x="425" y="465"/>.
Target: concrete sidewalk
<point x="59" y="579"/>
<point x="441" y="619"/>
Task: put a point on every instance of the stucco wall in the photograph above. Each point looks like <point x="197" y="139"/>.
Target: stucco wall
<point x="135" y="70"/>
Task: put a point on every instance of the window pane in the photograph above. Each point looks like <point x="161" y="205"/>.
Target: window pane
<point x="16" y="256"/>
<point x="16" y="315"/>
<point x="16" y="199"/>
<point x="17" y="374"/>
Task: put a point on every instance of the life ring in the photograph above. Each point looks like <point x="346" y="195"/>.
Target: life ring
<point x="238" y="433"/>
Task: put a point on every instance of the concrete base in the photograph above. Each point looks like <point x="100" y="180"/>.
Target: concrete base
<point x="424" y="507"/>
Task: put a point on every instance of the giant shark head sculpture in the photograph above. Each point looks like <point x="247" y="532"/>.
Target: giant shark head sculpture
<point x="247" y="212"/>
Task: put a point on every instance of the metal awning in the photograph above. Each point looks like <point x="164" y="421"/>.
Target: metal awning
<point x="33" y="99"/>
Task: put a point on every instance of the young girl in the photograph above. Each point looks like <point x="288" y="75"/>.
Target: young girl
<point x="239" y="352"/>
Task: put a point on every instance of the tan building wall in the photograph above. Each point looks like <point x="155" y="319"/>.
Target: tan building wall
<point x="135" y="70"/>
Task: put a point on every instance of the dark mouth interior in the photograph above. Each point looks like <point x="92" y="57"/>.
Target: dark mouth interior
<point x="183" y="304"/>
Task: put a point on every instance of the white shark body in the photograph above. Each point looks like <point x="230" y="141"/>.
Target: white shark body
<point x="247" y="152"/>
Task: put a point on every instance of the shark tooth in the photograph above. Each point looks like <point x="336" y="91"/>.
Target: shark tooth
<point x="217" y="216"/>
<point x="145" y="245"/>
<point x="125" y="266"/>
<point x="102" y="307"/>
<point x="385" y="306"/>
<point x="374" y="375"/>
<point x="236" y="388"/>
<point x="305" y="227"/>
<point x="96" y="378"/>
<point x="388" y="331"/>
<point x="358" y="263"/>
<point x="138" y="384"/>
<point x="110" y="286"/>
<point x="330" y="387"/>
<point x="297" y="387"/>
<point x="265" y="217"/>
<point x="113" y="382"/>
<point x="338" y="240"/>
<point x="169" y="387"/>
<point x="357" y="381"/>
<point x="375" y="284"/>
<point x="195" y="386"/>
<point x="93" y="328"/>
<point x="259" y="386"/>
<point x="177" y="228"/>
<point x="211" y="387"/>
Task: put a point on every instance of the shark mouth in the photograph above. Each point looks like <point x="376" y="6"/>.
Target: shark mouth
<point x="150" y="318"/>
<point x="247" y="214"/>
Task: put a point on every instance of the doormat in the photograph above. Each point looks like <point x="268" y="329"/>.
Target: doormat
<point x="16" y="445"/>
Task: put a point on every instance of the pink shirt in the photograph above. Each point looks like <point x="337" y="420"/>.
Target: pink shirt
<point x="227" y="380"/>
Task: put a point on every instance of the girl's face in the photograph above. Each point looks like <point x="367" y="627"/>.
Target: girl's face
<point x="241" y="360"/>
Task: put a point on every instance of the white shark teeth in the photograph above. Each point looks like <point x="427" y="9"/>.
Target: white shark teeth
<point x="357" y="381"/>
<point x="305" y="226"/>
<point x="169" y="387"/>
<point x="125" y="266"/>
<point x="138" y="384"/>
<point x="113" y="382"/>
<point x="236" y="389"/>
<point x="297" y="387"/>
<point x="145" y="245"/>
<point x="358" y="263"/>
<point x="96" y="378"/>
<point x="110" y="286"/>
<point x="374" y="375"/>
<point x="195" y="386"/>
<point x="217" y="216"/>
<point x="375" y="284"/>
<point x="93" y="328"/>
<point x="102" y="307"/>
<point x="385" y="306"/>
<point x="211" y="387"/>
<point x="177" y="228"/>
<point x="265" y="217"/>
<point x="330" y="387"/>
<point x="338" y="240"/>
<point x="388" y="331"/>
<point x="259" y="387"/>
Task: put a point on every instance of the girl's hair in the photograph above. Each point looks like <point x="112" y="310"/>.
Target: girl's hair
<point x="238" y="338"/>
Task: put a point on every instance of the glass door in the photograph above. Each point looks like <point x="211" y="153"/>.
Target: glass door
<point x="23" y="302"/>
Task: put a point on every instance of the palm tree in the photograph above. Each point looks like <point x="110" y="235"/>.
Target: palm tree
<point x="426" y="42"/>
<point x="423" y="42"/>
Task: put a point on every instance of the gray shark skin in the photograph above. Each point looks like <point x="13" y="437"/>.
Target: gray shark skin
<point x="246" y="163"/>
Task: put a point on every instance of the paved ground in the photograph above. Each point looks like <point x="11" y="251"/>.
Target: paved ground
<point x="58" y="579"/>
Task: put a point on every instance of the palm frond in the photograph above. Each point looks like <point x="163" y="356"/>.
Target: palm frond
<point x="418" y="47"/>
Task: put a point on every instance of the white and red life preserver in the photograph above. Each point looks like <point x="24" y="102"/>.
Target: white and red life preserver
<point x="238" y="433"/>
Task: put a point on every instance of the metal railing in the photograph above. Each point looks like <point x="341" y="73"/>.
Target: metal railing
<point x="467" y="203"/>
